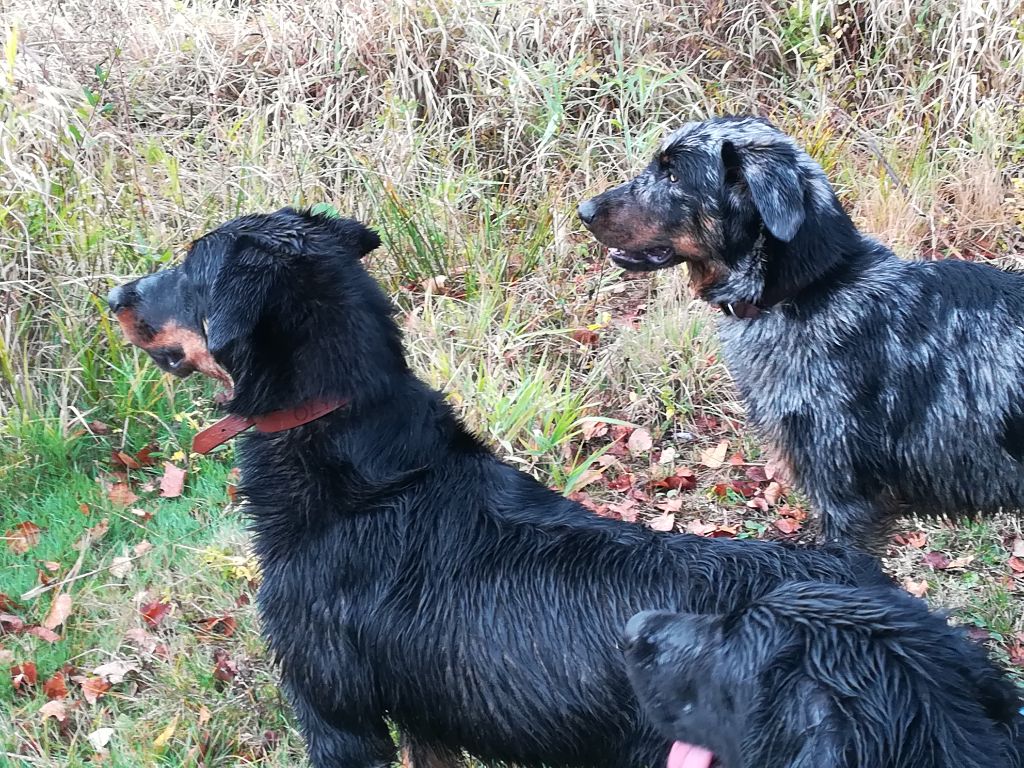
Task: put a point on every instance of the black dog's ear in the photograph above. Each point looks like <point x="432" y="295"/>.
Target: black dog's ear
<point x="353" y="235"/>
<point x="770" y="173"/>
<point x="240" y="293"/>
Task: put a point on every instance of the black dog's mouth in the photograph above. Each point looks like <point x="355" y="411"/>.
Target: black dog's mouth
<point x="172" y="360"/>
<point x="646" y="260"/>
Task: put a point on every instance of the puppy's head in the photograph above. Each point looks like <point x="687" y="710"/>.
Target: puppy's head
<point x="247" y="299"/>
<point x="823" y="675"/>
<point x="712" y="191"/>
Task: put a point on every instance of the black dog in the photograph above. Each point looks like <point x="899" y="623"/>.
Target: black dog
<point x="823" y="676"/>
<point x="884" y="384"/>
<point x="408" y="574"/>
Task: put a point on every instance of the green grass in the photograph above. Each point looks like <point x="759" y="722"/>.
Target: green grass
<point x="466" y="133"/>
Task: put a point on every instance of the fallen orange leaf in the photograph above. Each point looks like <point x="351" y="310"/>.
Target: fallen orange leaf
<point x="22" y="537"/>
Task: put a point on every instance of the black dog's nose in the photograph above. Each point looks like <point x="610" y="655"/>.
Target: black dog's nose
<point x="587" y="211"/>
<point x="116" y="297"/>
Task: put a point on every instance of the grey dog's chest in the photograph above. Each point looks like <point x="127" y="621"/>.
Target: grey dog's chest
<point x="782" y="367"/>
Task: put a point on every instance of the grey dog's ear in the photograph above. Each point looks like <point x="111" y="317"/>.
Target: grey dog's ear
<point x="769" y="172"/>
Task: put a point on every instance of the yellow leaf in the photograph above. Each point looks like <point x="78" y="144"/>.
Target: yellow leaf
<point x="178" y="456"/>
<point x="161" y="741"/>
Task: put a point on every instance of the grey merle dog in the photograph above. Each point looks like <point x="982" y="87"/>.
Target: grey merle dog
<point x="886" y="385"/>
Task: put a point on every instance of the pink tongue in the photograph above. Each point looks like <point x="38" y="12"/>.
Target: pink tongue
<point x="685" y="755"/>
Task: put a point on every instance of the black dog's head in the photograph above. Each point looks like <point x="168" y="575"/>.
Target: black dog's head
<point x="725" y="195"/>
<point x="270" y="305"/>
<point x="825" y="676"/>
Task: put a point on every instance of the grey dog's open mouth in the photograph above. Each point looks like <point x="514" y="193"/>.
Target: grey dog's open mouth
<point x="645" y="261"/>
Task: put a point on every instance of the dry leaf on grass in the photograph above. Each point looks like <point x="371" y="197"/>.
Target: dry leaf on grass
<point x="55" y="687"/>
<point x="93" y="688"/>
<point x="114" y="672"/>
<point x="916" y="588"/>
<point x="155" y="612"/>
<point x="663" y="523"/>
<point x="715" y="457"/>
<point x="122" y="495"/>
<point x="173" y="481"/>
<point x="120" y="567"/>
<point x="23" y="676"/>
<point x="639" y="442"/>
<point x="60" y="609"/>
<point x="54" y="708"/>
<point x="22" y="537"/>
<point x="100" y="738"/>
<point x="43" y="634"/>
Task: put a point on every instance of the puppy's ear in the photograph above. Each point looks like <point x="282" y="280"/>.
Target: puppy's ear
<point x="769" y="172"/>
<point x="240" y="294"/>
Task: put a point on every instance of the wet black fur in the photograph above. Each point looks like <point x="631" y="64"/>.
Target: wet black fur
<point x="826" y="676"/>
<point x="408" y="574"/>
<point x="887" y="385"/>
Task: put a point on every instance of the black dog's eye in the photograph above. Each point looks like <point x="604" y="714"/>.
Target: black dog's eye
<point x="672" y="177"/>
<point x="687" y="708"/>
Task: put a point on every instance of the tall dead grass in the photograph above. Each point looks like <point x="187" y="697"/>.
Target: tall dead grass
<point x="467" y="131"/>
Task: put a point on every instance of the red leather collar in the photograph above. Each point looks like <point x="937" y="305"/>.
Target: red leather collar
<point x="275" y="421"/>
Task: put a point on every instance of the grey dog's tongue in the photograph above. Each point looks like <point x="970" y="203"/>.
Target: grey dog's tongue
<point x="685" y="755"/>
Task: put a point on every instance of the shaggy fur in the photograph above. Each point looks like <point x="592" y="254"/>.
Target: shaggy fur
<point x="408" y="574"/>
<point x="824" y="676"/>
<point x="884" y="384"/>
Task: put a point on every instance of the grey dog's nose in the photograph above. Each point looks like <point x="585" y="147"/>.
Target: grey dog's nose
<point x="115" y="299"/>
<point x="587" y="211"/>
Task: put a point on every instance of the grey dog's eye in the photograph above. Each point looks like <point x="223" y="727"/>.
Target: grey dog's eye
<point x="672" y="177"/>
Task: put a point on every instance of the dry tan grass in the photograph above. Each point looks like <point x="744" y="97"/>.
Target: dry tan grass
<point x="466" y="119"/>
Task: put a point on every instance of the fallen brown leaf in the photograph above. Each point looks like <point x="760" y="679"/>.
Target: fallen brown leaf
<point x="639" y="442"/>
<point x="11" y="624"/>
<point x="787" y="525"/>
<point x="56" y="709"/>
<point x="224" y="668"/>
<point x="664" y="522"/>
<point x="23" y="676"/>
<point x="22" y="537"/>
<point x="93" y="688"/>
<point x="173" y="481"/>
<point x="916" y="588"/>
<point x="43" y="634"/>
<point x="218" y="625"/>
<point x="142" y="548"/>
<point x="1017" y="564"/>
<point x="55" y="687"/>
<point x="122" y="495"/>
<point x="115" y="671"/>
<point x="155" y="612"/>
<point x="715" y="457"/>
<point x="60" y="609"/>
<point x="586" y="337"/>
<point x="936" y="560"/>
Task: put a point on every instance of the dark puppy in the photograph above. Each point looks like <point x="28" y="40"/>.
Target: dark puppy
<point x="408" y="574"/>
<point x="884" y="384"/>
<point x="823" y="676"/>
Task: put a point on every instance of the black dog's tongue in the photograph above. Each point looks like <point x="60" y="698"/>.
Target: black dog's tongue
<point x="685" y="755"/>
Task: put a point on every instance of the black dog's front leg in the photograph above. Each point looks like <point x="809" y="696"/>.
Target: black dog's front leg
<point x="341" y="742"/>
